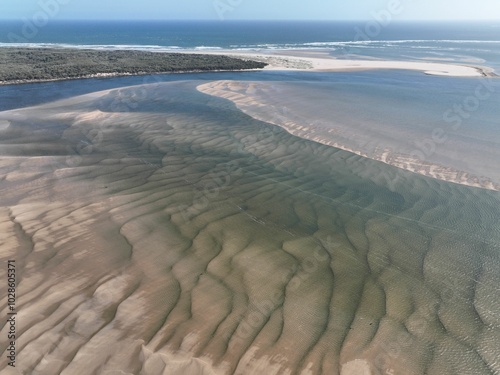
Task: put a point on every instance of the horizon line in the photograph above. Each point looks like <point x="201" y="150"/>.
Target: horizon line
<point x="255" y="20"/>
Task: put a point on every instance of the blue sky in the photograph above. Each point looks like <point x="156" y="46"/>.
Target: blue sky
<point x="251" y="9"/>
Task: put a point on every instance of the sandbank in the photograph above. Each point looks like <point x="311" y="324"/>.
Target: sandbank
<point x="322" y="62"/>
<point x="194" y="239"/>
<point x="265" y="102"/>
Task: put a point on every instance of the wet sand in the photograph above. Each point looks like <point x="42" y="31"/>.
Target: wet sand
<point x="334" y="116"/>
<point x="160" y="230"/>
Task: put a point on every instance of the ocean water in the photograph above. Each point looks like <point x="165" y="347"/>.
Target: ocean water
<point x="173" y="223"/>
<point x="240" y="34"/>
<point x="466" y="110"/>
<point x="467" y="42"/>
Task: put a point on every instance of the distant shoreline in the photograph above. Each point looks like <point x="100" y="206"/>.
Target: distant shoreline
<point x="320" y="61"/>
<point x="19" y="65"/>
<point x="118" y="75"/>
<point x="32" y="65"/>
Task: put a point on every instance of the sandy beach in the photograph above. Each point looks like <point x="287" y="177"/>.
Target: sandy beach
<point x="182" y="236"/>
<point x="25" y="65"/>
<point x="321" y="61"/>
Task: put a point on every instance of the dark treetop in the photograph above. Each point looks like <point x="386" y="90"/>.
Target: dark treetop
<point x="38" y="64"/>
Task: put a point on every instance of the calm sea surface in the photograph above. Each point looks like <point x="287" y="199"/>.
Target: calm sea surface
<point x="391" y="102"/>
<point x="473" y="42"/>
<point x="407" y="264"/>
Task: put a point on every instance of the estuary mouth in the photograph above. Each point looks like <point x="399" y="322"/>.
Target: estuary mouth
<point x="186" y="236"/>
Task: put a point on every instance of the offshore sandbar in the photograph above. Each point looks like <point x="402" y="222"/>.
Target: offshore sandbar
<point x="322" y="62"/>
<point x="25" y="65"/>
<point x="313" y="114"/>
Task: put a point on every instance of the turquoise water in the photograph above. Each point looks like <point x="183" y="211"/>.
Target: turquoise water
<point x="373" y="110"/>
<point x="421" y="123"/>
<point x="197" y="214"/>
<point x="238" y="34"/>
<point x="472" y="42"/>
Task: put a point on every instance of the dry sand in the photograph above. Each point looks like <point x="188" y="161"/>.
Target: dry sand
<point x="321" y="61"/>
<point x="174" y="238"/>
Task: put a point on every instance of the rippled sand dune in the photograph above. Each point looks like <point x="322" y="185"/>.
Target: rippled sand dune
<point x="159" y="230"/>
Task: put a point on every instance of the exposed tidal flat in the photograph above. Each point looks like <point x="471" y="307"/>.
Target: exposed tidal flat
<point x="160" y="230"/>
<point x="438" y="127"/>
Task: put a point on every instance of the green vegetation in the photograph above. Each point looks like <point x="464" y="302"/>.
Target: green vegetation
<point x="33" y="64"/>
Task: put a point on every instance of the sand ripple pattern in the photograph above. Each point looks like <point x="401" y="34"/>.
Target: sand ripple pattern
<point x="159" y="230"/>
<point x="314" y="114"/>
